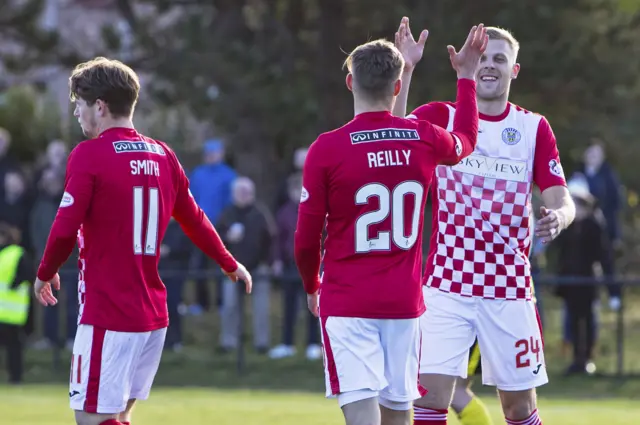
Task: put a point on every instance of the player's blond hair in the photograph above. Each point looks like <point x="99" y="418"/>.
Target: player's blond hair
<point x="375" y="66"/>
<point x="109" y="80"/>
<point x="497" y="33"/>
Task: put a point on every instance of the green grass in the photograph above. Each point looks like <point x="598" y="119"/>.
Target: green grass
<point x="199" y="386"/>
<point x="190" y="406"/>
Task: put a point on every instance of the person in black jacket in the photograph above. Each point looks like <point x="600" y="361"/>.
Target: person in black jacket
<point x="248" y="230"/>
<point x="175" y="253"/>
<point x="12" y="335"/>
<point x="583" y="245"/>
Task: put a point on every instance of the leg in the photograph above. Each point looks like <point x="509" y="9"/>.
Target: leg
<point x="290" y="297"/>
<point x="51" y="325"/>
<point x="174" y="298"/>
<point x="447" y="333"/>
<point x="354" y="367"/>
<point x="470" y="409"/>
<point x="125" y="417"/>
<point x="102" y="370"/>
<point x="15" y="353"/>
<point x="261" y="300"/>
<point x="401" y="344"/>
<point x="229" y="319"/>
<point x="512" y="356"/>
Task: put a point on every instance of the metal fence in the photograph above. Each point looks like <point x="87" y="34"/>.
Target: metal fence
<point x="542" y="282"/>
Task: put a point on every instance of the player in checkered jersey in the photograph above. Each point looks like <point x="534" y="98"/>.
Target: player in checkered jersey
<point x="478" y="278"/>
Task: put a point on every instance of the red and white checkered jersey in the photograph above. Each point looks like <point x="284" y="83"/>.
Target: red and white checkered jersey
<point x="482" y="206"/>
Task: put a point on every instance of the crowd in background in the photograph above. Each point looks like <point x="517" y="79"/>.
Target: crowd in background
<point x="260" y="235"/>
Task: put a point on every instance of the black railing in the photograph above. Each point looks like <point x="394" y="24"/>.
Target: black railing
<point x="540" y="281"/>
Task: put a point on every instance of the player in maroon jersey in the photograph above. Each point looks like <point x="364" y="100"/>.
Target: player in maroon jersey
<point x="477" y="275"/>
<point x="368" y="180"/>
<point x="121" y="190"/>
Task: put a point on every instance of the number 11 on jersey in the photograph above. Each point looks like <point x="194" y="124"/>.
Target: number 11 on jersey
<point x="151" y="237"/>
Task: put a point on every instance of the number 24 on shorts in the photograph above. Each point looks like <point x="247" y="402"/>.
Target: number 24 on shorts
<point x="527" y="346"/>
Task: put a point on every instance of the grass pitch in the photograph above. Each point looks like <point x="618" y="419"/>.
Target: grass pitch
<point x="46" y="404"/>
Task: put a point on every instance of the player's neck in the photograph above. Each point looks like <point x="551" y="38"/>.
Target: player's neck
<point x="115" y="123"/>
<point x="361" y="107"/>
<point x="493" y="107"/>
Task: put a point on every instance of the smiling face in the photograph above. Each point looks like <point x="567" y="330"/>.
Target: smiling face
<point x="497" y="66"/>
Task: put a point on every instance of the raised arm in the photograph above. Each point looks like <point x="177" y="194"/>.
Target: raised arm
<point x="412" y="53"/>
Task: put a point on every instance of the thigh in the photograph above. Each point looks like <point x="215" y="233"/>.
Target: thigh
<point x="447" y="333"/>
<point x="511" y="342"/>
<point x="147" y="365"/>
<point x="102" y="367"/>
<point x="401" y="344"/>
<point x="354" y="358"/>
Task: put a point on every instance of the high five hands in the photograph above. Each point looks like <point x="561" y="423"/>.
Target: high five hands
<point x="464" y="62"/>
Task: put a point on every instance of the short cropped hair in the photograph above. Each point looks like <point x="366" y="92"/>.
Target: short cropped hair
<point x="497" y="33"/>
<point x="375" y="66"/>
<point x="109" y="80"/>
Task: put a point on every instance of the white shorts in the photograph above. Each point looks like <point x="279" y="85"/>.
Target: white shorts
<point x="109" y="368"/>
<point x="378" y="355"/>
<point x="508" y="332"/>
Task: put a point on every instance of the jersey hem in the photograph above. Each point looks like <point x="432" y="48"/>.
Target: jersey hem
<point x="363" y="315"/>
<point x="147" y="327"/>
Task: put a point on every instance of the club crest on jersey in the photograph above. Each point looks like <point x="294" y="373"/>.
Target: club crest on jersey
<point x="130" y="146"/>
<point x="304" y="195"/>
<point x="67" y="200"/>
<point x="511" y="136"/>
<point x="384" y="134"/>
<point x="556" y="168"/>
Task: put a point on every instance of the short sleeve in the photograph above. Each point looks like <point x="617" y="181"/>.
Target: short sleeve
<point x="547" y="169"/>
<point x="436" y="113"/>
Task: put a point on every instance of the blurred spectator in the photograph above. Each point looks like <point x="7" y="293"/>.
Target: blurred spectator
<point x="7" y="162"/>
<point x="16" y="272"/>
<point x="174" y="259"/>
<point x="49" y="190"/>
<point x="605" y="187"/>
<point x="583" y="245"/>
<point x="292" y="291"/>
<point x="299" y="156"/>
<point x="248" y="230"/>
<point x="14" y="206"/>
<point x="211" y="188"/>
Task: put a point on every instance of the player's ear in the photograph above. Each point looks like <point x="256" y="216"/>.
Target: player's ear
<point x="349" y="81"/>
<point x="515" y="71"/>
<point x="397" y="87"/>
<point x="101" y="107"/>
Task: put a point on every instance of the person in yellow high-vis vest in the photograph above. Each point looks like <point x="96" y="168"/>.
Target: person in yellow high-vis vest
<point x="15" y="276"/>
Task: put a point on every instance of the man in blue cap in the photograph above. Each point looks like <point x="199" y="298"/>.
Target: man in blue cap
<point x="211" y="188"/>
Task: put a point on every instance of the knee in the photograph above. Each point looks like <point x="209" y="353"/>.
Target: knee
<point x="439" y="391"/>
<point x="519" y="406"/>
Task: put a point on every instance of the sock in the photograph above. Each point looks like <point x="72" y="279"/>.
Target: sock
<point x="475" y="413"/>
<point x="126" y="423"/>
<point x="424" y="416"/>
<point x="534" y="419"/>
<point x="111" y="422"/>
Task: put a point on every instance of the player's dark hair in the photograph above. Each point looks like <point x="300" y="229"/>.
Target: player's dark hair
<point x="375" y="67"/>
<point x="108" y="80"/>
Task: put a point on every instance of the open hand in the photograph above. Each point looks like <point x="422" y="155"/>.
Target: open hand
<point x="465" y="62"/>
<point x="549" y="226"/>
<point x="241" y="273"/>
<point x="43" y="291"/>
<point x="410" y="48"/>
